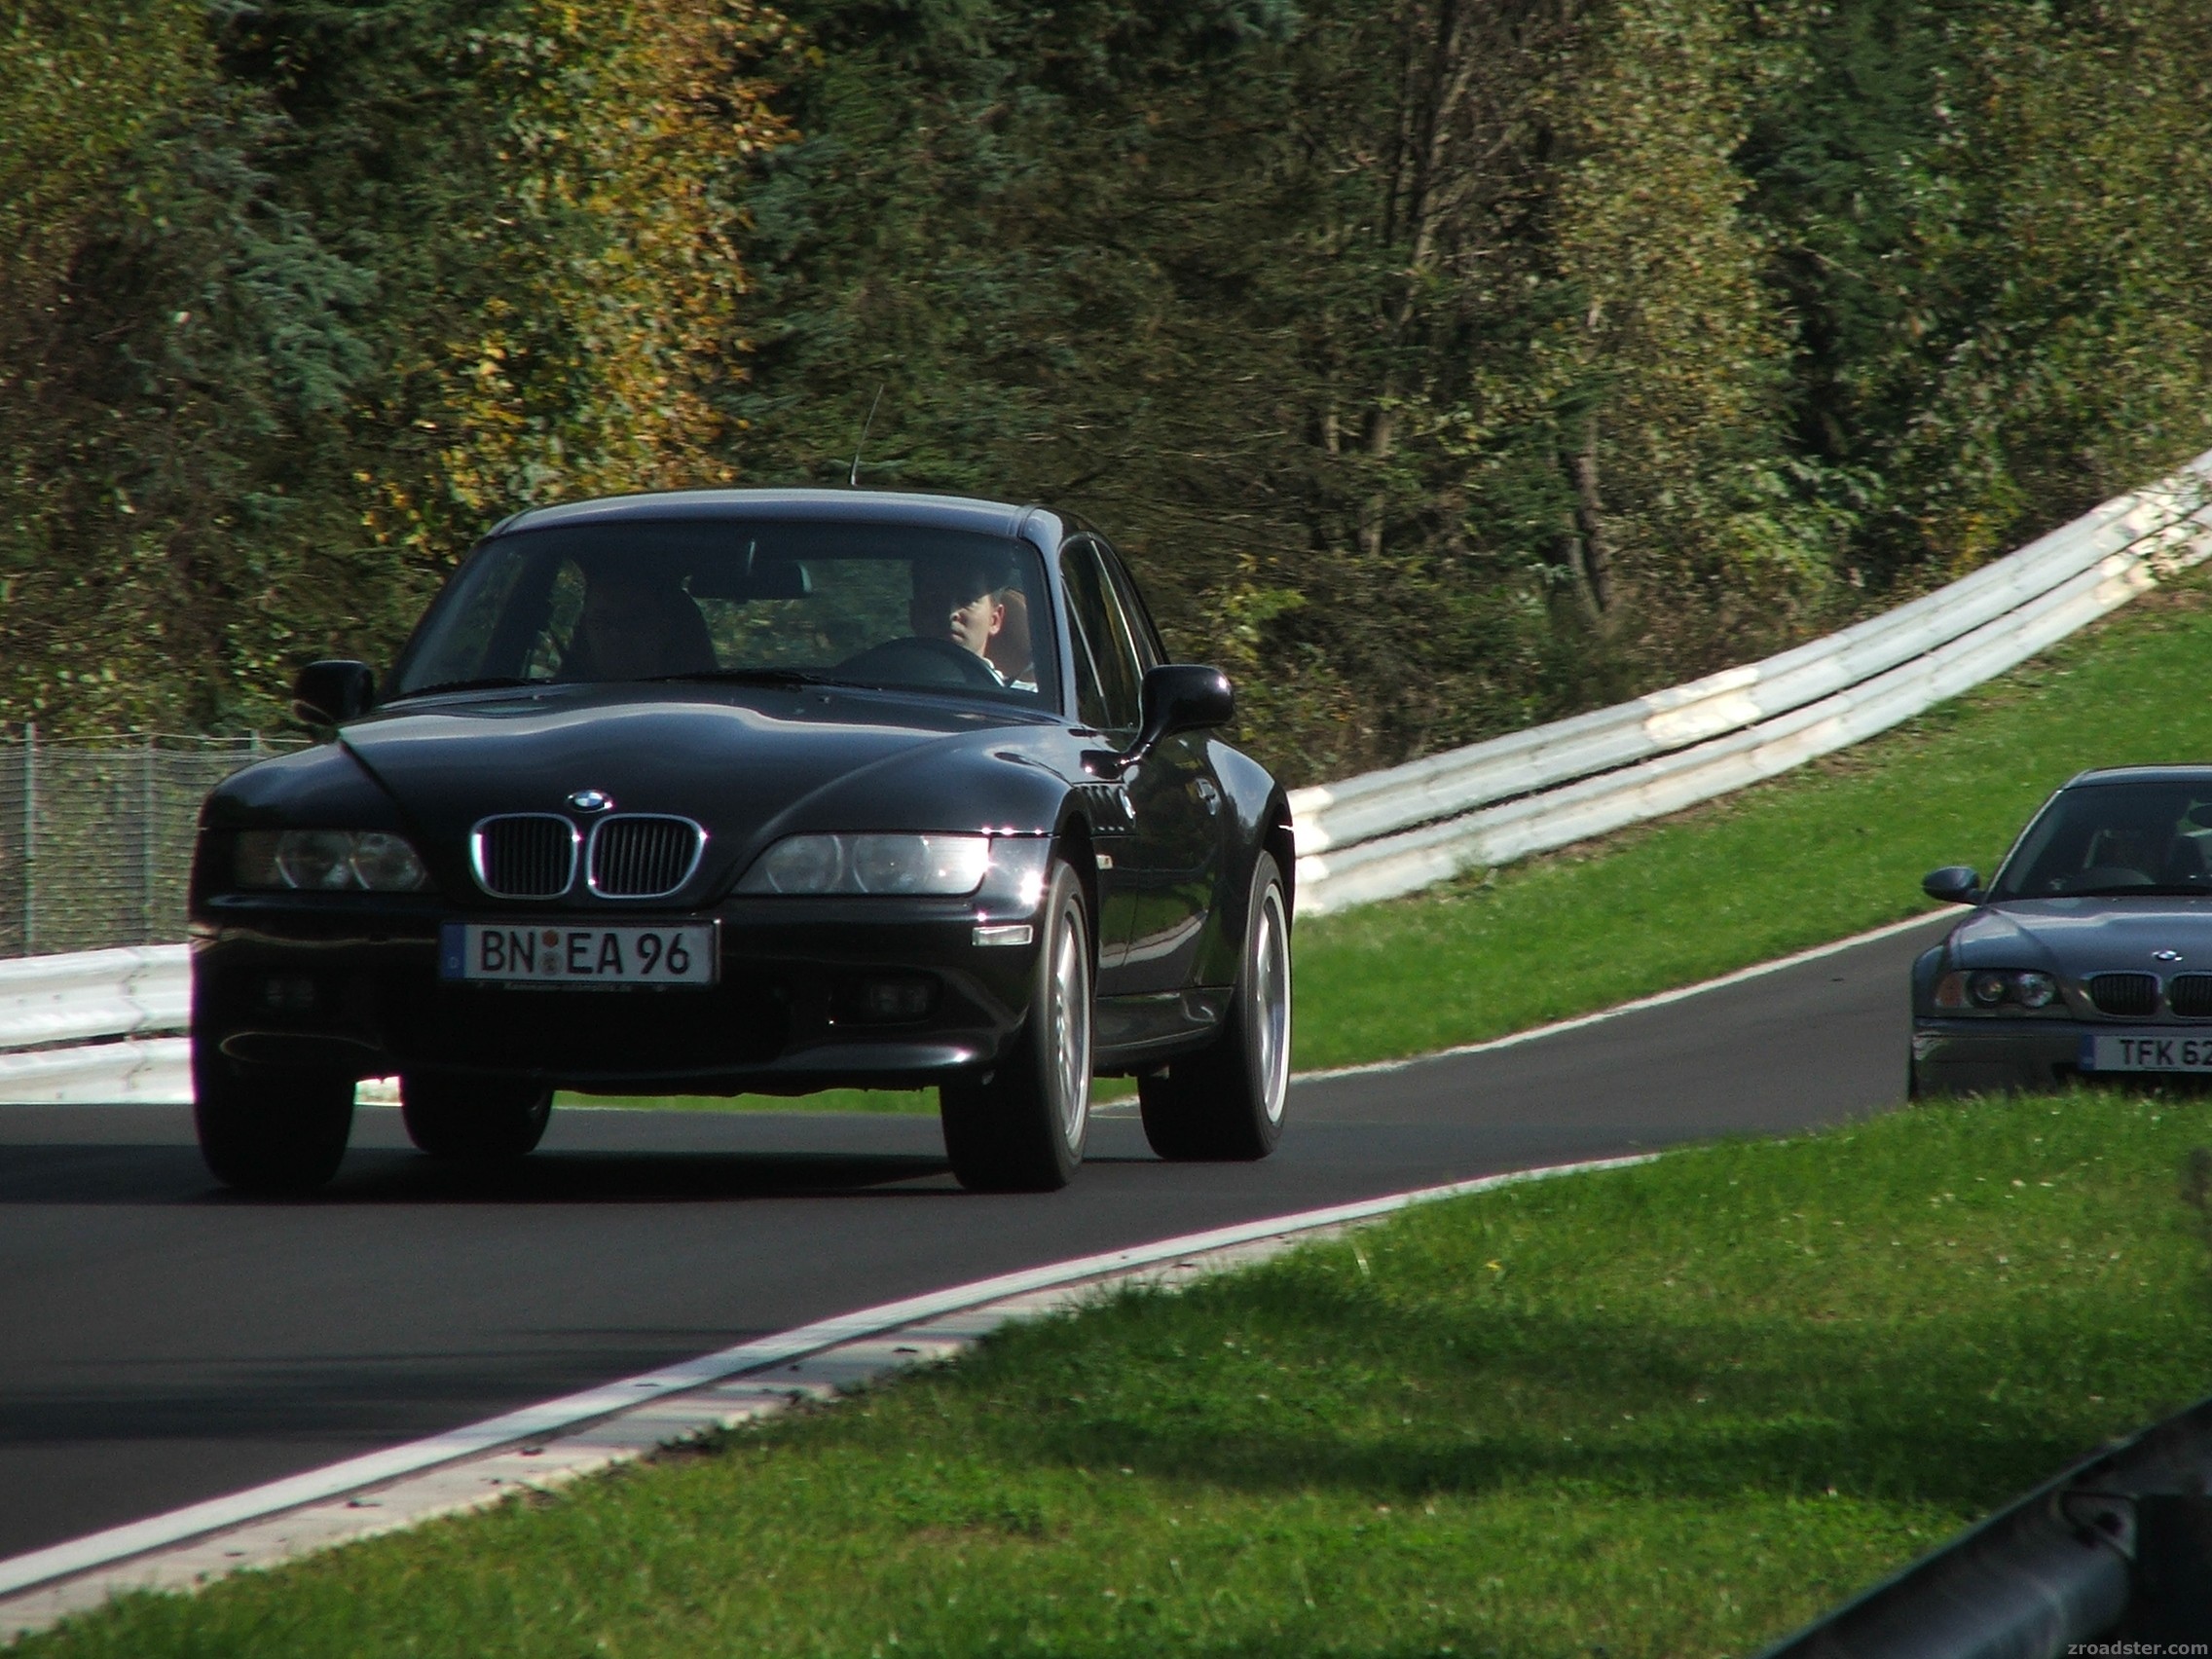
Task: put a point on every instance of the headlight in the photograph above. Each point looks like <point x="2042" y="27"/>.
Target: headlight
<point x="938" y="864"/>
<point x="1991" y="988"/>
<point x="328" y="861"/>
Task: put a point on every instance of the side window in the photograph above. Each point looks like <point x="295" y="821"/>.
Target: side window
<point x="1107" y="672"/>
<point x="1149" y="652"/>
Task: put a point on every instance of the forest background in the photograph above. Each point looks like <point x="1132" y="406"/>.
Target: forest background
<point x="1442" y="366"/>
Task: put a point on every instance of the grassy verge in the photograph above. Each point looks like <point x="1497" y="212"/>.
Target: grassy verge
<point x="1673" y="1410"/>
<point x="1830" y="849"/>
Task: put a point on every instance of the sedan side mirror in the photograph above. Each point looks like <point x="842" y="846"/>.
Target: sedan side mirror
<point x="1953" y="884"/>
<point x="331" y="692"/>
<point x="1180" y="697"/>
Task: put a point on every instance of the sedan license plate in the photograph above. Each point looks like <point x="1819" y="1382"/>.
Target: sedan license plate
<point x="2146" y="1051"/>
<point x="544" y="955"/>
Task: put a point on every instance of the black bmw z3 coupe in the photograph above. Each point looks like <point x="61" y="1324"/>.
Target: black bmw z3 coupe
<point x="718" y="792"/>
<point x="2090" y="951"/>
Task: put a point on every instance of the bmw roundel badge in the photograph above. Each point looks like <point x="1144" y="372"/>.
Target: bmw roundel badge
<point x="591" y="800"/>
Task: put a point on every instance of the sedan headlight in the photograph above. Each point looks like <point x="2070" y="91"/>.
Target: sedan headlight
<point x="935" y="865"/>
<point x="328" y="861"/>
<point x="1992" y="988"/>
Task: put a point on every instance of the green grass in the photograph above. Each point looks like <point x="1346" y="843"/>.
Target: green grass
<point x="1826" y="851"/>
<point x="1831" y="849"/>
<point x="1678" y="1409"/>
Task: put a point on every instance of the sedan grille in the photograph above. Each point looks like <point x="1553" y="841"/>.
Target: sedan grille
<point x="2190" y="995"/>
<point x="642" y="857"/>
<point x="528" y="855"/>
<point x="2125" y="993"/>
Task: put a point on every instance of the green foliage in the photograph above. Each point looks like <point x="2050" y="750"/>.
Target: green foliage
<point x="1446" y="367"/>
<point x="1442" y="366"/>
<point x="358" y="281"/>
<point x="1992" y="227"/>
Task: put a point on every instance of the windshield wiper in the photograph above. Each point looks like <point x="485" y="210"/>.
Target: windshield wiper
<point x="489" y="682"/>
<point x="751" y="677"/>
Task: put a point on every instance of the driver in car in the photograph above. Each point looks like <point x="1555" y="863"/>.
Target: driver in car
<point x="957" y="600"/>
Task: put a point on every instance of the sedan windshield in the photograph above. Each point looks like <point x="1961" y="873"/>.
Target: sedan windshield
<point x="2100" y="840"/>
<point x="901" y="606"/>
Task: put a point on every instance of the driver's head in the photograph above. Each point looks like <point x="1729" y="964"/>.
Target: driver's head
<point x="957" y="598"/>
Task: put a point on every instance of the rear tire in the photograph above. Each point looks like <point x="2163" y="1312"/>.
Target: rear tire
<point x="493" y="1120"/>
<point x="1021" y="1126"/>
<point x="269" y="1132"/>
<point x="1225" y="1103"/>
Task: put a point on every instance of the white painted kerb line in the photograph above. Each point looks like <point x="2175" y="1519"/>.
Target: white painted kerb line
<point x="552" y="1416"/>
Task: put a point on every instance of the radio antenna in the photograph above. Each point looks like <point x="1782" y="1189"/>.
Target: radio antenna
<point x="854" y="482"/>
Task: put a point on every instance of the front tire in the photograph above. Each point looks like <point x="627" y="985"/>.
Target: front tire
<point x="1021" y="1126"/>
<point x="492" y="1120"/>
<point x="269" y="1132"/>
<point x="1225" y="1103"/>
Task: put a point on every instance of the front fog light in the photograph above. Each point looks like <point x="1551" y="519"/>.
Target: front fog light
<point x="891" y="1000"/>
<point x="1987" y="989"/>
<point x="2035" y="990"/>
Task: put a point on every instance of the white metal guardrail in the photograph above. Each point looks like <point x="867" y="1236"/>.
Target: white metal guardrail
<point x="1393" y="832"/>
<point x="104" y="1025"/>
<point x="81" y="1026"/>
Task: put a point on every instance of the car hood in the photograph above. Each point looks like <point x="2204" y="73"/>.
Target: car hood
<point x="750" y="766"/>
<point x="2078" y="936"/>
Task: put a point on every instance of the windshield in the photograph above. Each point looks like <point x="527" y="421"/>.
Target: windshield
<point x="900" y="606"/>
<point x="2114" y="838"/>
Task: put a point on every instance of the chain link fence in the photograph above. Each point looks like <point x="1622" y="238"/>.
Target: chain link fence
<point x="95" y="837"/>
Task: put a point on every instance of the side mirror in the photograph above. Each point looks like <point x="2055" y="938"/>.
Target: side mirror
<point x="329" y="693"/>
<point x="1180" y="697"/>
<point x="1953" y="884"/>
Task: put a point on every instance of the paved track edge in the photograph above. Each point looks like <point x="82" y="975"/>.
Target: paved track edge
<point x="1657" y="999"/>
<point x="579" y="1433"/>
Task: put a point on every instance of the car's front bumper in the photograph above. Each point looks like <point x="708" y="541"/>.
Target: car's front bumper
<point x="1988" y="1057"/>
<point x="355" y="988"/>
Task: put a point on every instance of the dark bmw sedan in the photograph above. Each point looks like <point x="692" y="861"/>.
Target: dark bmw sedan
<point x="2089" y="952"/>
<point x="752" y="790"/>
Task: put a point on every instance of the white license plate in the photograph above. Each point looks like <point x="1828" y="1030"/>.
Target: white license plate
<point x="2146" y="1051"/>
<point x="545" y="955"/>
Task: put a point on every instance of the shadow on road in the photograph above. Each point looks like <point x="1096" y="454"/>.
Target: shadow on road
<point x="163" y="1175"/>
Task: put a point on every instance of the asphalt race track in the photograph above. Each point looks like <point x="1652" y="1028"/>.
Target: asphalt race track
<point x="162" y="1341"/>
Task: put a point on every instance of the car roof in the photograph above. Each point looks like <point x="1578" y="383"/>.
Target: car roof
<point x="2183" y="774"/>
<point x="849" y="507"/>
